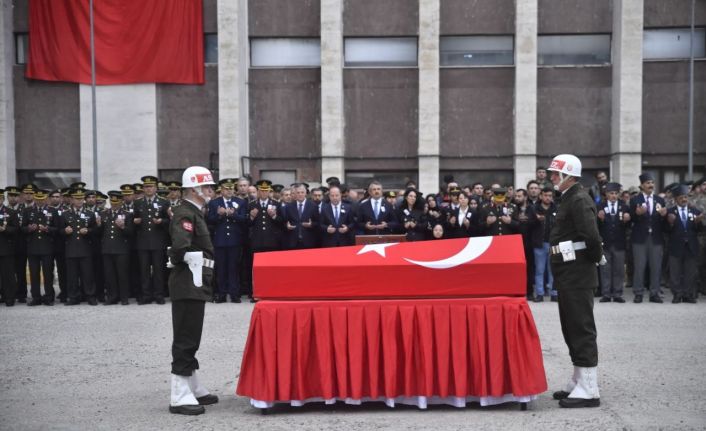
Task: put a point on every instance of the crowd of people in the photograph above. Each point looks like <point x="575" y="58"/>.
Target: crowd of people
<point x="109" y="248"/>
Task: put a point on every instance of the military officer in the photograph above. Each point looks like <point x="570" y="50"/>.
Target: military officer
<point x="116" y="232"/>
<point x="78" y="225"/>
<point x="128" y="193"/>
<point x="16" y="202"/>
<point x="684" y="222"/>
<point x="174" y="195"/>
<point x="9" y="225"/>
<point x="576" y="249"/>
<point x="151" y="220"/>
<point x="613" y="220"/>
<point x="227" y="214"/>
<point x="56" y="204"/>
<point x="499" y="217"/>
<point x="266" y="220"/>
<point x="190" y="286"/>
<point x="91" y="205"/>
<point x="40" y="225"/>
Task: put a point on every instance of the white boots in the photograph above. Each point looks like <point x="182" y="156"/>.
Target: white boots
<point x="584" y="392"/>
<point x="183" y="400"/>
<point x="203" y="396"/>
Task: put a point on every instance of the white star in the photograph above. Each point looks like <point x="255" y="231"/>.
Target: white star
<point x="377" y="248"/>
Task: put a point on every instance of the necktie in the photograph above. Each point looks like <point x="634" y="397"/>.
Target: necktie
<point x="612" y="208"/>
<point x="376" y="208"/>
<point x="683" y="216"/>
<point x="649" y="204"/>
<point x="301" y="209"/>
<point x="335" y="217"/>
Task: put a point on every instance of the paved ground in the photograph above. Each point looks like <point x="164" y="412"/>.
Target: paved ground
<point x="81" y="368"/>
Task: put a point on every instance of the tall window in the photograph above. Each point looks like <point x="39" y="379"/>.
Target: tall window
<point x="476" y="51"/>
<point x="581" y="49"/>
<point x="380" y="51"/>
<point x="673" y="43"/>
<point x="21" y="48"/>
<point x="285" y="52"/>
<point x="210" y="48"/>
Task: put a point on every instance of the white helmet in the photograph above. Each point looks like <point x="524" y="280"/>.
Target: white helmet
<point x="567" y="164"/>
<point x="196" y="176"/>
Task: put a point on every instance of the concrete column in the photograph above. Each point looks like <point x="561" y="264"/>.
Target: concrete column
<point x="127" y="134"/>
<point x="232" y="87"/>
<point x="429" y="91"/>
<point x="525" y="159"/>
<point x="332" y="114"/>
<point x="626" y="124"/>
<point x="7" y="103"/>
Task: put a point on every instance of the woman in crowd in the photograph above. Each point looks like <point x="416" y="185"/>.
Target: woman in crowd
<point x="411" y="216"/>
<point x="462" y="221"/>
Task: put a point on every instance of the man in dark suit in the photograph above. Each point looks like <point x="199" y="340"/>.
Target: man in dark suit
<point x="683" y="224"/>
<point x="337" y="221"/>
<point x="116" y="232"/>
<point x="613" y="220"/>
<point x="151" y="221"/>
<point x="40" y="224"/>
<point x="227" y="214"/>
<point x="376" y="216"/>
<point x="78" y="225"/>
<point x="647" y="212"/>
<point x="301" y="220"/>
<point x="9" y="225"/>
<point x="55" y="203"/>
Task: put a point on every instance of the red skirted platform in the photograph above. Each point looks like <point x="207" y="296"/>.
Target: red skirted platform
<point x="411" y="351"/>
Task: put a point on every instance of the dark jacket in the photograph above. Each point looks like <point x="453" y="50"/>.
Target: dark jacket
<point x="386" y="214"/>
<point x="646" y="226"/>
<point x="115" y="240"/>
<point x="189" y="232"/>
<point x="301" y="237"/>
<point x="345" y="217"/>
<point x="499" y="228"/>
<point x="9" y="220"/>
<point x="683" y="239"/>
<point x="228" y="230"/>
<point x="612" y="228"/>
<point x="77" y="244"/>
<point x="539" y="230"/>
<point x="455" y="230"/>
<point x="418" y="232"/>
<point x="40" y="243"/>
<point x="149" y="235"/>
<point x="265" y="231"/>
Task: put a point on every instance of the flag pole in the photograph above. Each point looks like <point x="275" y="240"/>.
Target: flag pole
<point x="690" y="175"/>
<point x="93" y="100"/>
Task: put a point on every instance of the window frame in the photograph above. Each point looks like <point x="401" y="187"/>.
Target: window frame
<point x="687" y="58"/>
<point x="476" y="66"/>
<point x="257" y="38"/>
<point x="381" y="66"/>
<point x="573" y="65"/>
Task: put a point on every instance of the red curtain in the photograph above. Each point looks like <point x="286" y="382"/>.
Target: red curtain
<point x="135" y="41"/>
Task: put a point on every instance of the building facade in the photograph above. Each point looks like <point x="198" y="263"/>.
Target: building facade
<point x="393" y="89"/>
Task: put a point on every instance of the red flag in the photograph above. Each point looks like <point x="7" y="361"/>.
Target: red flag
<point x="481" y="266"/>
<point x="135" y="41"/>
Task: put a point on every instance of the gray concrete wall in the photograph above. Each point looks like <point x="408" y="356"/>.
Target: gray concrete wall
<point x="47" y="128"/>
<point x="575" y="16"/>
<point x="210" y="16"/>
<point x="187" y="122"/>
<point x="381" y="112"/>
<point x="665" y="116"/>
<point x="477" y="112"/>
<point x="291" y="18"/>
<point x="20" y="15"/>
<point x="673" y="13"/>
<point x="380" y="17"/>
<point x="477" y="17"/>
<point x="574" y="113"/>
<point x="285" y="113"/>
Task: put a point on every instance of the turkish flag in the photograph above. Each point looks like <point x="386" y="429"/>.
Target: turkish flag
<point x="467" y="267"/>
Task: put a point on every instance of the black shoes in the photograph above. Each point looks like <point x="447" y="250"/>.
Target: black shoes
<point x="187" y="410"/>
<point x="560" y="395"/>
<point x="689" y="300"/>
<point x="34" y="302"/>
<point x="92" y="301"/>
<point x="159" y="301"/>
<point x="676" y="300"/>
<point x="656" y="299"/>
<point x="10" y="303"/>
<point x="619" y="299"/>
<point x="72" y="302"/>
<point x="22" y="300"/>
<point x="236" y="300"/>
<point x="539" y="299"/>
<point x="573" y="403"/>
<point x="219" y="299"/>
<point x="555" y="298"/>
<point x="144" y="301"/>
<point x="207" y="400"/>
<point x="638" y="299"/>
<point x="605" y="299"/>
<point x="125" y="302"/>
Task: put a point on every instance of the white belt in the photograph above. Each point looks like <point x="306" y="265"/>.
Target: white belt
<point x="208" y="263"/>
<point x="580" y="245"/>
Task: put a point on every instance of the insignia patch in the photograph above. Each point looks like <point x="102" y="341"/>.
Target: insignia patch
<point x="187" y="226"/>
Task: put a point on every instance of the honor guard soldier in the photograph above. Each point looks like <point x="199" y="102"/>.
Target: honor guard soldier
<point x="576" y="249"/>
<point x="9" y="225"/>
<point x="151" y="221"/>
<point x="40" y="224"/>
<point x="376" y="216"/>
<point x="190" y="286"/>
<point x="116" y="234"/>
<point x="613" y="221"/>
<point x="684" y="223"/>
<point x="301" y="220"/>
<point x="227" y="214"/>
<point x="647" y="213"/>
<point x="265" y="220"/>
<point x="499" y="217"/>
<point x="57" y="205"/>
<point x="78" y="225"/>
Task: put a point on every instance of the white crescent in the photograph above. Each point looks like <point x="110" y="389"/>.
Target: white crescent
<point x="475" y="247"/>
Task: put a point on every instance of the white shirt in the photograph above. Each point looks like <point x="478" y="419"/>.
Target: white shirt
<point x="462" y="215"/>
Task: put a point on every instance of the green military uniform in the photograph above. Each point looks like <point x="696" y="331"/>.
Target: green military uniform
<point x="576" y="280"/>
<point x="189" y="233"/>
